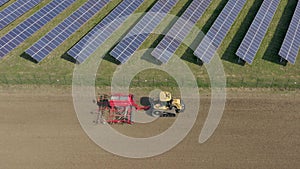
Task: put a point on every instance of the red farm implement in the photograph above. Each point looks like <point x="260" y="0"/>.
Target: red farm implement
<point x="120" y="108"/>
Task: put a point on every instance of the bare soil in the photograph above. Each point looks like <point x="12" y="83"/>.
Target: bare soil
<point x="259" y="129"/>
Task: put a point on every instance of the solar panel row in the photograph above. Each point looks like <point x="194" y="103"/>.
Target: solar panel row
<point x="2" y="2"/>
<point x="65" y="29"/>
<point x="167" y="47"/>
<point x="216" y="34"/>
<point x="32" y="24"/>
<point x="15" y="10"/>
<point x="102" y="31"/>
<point x="251" y="42"/>
<point x="291" y="44"/>
<point x="139" y="33"/>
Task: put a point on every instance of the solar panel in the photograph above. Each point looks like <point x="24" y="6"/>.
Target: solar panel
<point x="2" y="2"/>
<point x="216" y="34"/>
<point x="257" y="30"/>
<point x="65" y="29"/>
<point x="102" y="31"/>
<point x="167" y="47"/>
<point x="291" y="44"/>
<point x="32" y="24"/>
<point x="139" y="33"/>
<point x="15" y="10"/>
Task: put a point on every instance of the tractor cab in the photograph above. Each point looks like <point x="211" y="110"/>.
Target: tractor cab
<point x="165" y="102"/>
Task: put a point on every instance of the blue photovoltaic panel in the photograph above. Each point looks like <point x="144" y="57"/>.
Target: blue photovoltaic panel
<point x="2" y="2"/>
<point x="257" y="30"/>
<point x="291" y="44"/>
<point x="65" y="29"/>
<point x="102" y="31"/>
<point x="139" y="33"/>
<point x="15" y="10"/>
<point x="167" y="47"/>
<point x="32" y="24"/>
<point x="216" y="34"/>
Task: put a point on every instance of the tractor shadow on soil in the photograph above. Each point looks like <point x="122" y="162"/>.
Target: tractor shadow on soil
<point x="145" y="101"/>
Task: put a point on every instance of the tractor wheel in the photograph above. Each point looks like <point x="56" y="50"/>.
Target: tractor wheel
<point x="156" y="113"/>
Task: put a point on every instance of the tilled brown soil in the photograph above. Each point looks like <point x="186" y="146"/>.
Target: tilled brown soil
<point x="39" y="129"/>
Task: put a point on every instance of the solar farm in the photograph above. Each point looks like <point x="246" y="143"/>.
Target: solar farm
<point x="42" y="44"/>
<point x="255" y="40"/>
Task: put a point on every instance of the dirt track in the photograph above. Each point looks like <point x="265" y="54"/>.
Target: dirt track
<point x="258" y="130"/>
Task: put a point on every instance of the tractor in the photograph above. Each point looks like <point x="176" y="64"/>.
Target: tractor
<point x="164" y="103"/>
<point x="119" y="107"/>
